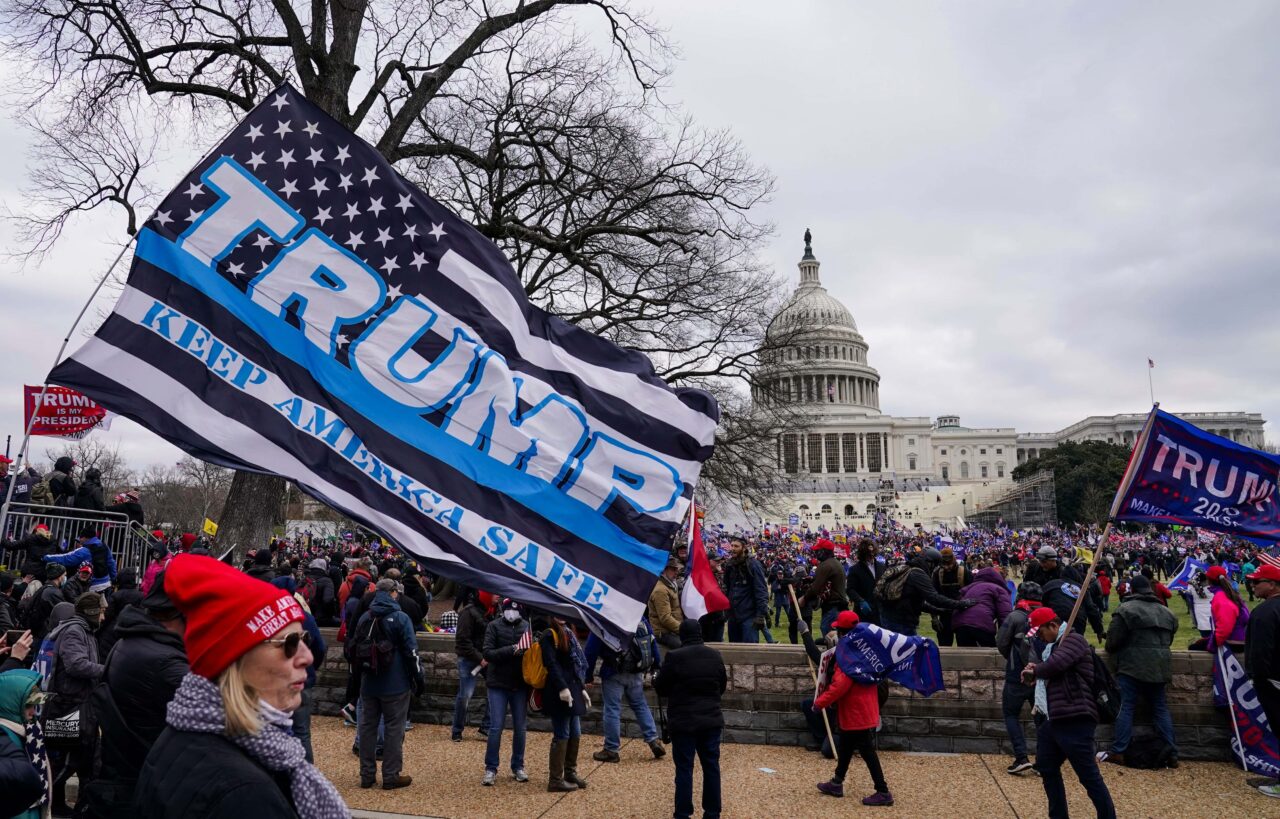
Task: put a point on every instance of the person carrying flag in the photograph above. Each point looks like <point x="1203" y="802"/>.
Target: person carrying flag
<point x="506" y="639"/>
<point x="1261" y="650"/>
<point x="665" y="611"/>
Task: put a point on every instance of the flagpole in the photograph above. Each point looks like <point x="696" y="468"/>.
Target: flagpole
<point x="826" y="721"/>
<point x="44" y="389"/>
<point x="1220" y="667"/>
<point x="1150" y="381"/>
<point x="1130" y="473"/>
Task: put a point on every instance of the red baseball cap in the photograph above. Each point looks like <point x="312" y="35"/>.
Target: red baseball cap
<point x="846" y="620"/>
<point x="1266" y="572"/>
<point x="1215" y="572"/>
<point x="822" y="543"/>
<point x="4" y="459"/>
<point x="1042" y="615"/>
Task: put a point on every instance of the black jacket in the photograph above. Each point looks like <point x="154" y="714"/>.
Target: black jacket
<point x="1036" y="573"/>
<point x="205" y="776"/>
<point x="89" y="493"/>
<point x="61" y="484"/>
<point x="324" y="597"/>
<point x="35" y="548"/>
<point x="48" y="597"/>
<point x="1260" y="642"/>
<point x="917" y="595"/>
<point x="108" y="631"/>
<point x="19" y="782"/>
<point x="561" y="674"/>
<point x="500" y="638"/>
<point x="131" y="509"/>
<point x="693" y="679"/>
<point x="1060" y="595"/>
<point x="862" y="582"/>
<point x="468" y="640"/>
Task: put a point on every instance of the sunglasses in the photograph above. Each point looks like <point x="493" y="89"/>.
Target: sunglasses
<point x="291" y="643"/>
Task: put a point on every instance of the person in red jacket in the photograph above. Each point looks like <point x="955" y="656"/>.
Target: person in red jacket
<point x="858" y="707"/>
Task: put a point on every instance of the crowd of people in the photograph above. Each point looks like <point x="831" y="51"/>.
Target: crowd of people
<point x="187" y="689"/>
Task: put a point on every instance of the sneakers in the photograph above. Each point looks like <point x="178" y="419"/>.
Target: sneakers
<point x="832" y="788"/>
<point x="349" y="713"/>
<point x="401" y="781"/>
<point x="368" y="783"/>
<point x="520" y="775"/>
<point x="658" y="751"/>
<point x="456" y="737"/>
<point x="878" y="800"/>
<point x="1019" y="765"/>
<point x="489" y="777"/>
<point x="1270" y="790"/>
<point x="606" y="756"/>
<point x="1110" y="756"/>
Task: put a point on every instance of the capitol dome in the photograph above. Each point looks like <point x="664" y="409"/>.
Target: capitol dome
<point x="816" y="355"/>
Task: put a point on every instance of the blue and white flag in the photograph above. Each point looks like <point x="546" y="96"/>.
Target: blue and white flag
<point x="1253" y="740"/>
<point x="1182" y="580"/>
<point x="1184" y="475"/>
<point x="869" y="654"/>
<point x="297" y="307"/>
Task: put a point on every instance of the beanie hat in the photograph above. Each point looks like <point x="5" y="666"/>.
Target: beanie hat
<point x="262" y="557"/>
<point x="89" y="606"/>
<point x="228" y="613"/>
<point x="1041" y="616"/>
<point x="52" y="571"/>
<point x="1140" y="585"/>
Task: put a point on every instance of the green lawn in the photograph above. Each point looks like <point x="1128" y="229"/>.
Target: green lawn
<point x="1187" y="632"/>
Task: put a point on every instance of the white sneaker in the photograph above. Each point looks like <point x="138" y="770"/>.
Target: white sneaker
<point x="520" y="775"/>
<point x="1270" y="790"/>
<point x="489" y="777"/>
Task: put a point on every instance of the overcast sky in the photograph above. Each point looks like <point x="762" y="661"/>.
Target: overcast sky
<point x="1020" y="203"/>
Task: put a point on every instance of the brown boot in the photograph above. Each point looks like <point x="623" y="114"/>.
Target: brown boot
<point x="571" y="763"/>
<point x="555" y="780"/>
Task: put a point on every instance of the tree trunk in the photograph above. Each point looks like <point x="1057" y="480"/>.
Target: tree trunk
<point x="252" y="509"/>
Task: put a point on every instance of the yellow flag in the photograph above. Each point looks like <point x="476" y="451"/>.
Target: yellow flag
<point x="1084" y="555"/>
<point x="210" y="528"/>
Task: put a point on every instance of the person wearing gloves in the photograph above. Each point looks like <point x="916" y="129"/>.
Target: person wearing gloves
<point x="228" y="751"/>
<point x="565" y="702"/>
<point x="24" y="766"/>
<point x="901" y="613"/>
<point x="507" y="691"/>
<point x="977" y="625"/>
<point x="93" y="551"/>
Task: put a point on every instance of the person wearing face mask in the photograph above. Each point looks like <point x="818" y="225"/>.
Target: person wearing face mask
<point x="228" y="751"/>
<point x="504" y="679"/>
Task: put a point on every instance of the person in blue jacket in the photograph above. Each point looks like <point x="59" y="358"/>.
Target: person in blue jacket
<point x="93" y="551"/>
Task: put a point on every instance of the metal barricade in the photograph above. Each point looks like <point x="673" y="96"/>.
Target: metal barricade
<point x="126" y="540"/>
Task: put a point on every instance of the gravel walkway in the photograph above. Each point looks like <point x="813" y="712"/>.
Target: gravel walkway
<point x="760" y="781"/>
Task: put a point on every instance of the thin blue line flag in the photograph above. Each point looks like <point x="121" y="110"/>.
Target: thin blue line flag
<point x="1184" y="475"/>
<point x="296" y="307"/>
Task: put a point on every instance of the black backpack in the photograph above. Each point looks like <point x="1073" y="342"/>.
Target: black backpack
<point x="639" y="655"/>
<point x="1106" y="693"/>
<point x="372" y="649"/>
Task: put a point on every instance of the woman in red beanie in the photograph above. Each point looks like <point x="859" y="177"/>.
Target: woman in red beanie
<point x="228" y="751"/>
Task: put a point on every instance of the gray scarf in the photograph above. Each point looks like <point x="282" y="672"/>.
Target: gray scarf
<point x="197" y="706"/>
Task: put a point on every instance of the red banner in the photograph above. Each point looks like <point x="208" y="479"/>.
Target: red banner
<point x="64" y="412"/>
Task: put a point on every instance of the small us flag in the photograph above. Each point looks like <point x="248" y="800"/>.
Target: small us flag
<point x="526" y="640"/>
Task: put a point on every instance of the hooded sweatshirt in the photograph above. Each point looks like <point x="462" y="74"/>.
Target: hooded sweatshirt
<point x="20" y="784"/>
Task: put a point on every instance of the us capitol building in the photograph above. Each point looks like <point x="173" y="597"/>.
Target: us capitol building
<point x="840" y="457"/>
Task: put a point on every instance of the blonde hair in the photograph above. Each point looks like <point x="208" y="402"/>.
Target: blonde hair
<point x="239" y="701"/>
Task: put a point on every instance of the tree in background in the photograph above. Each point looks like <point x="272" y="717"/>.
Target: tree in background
<point x="1085" y="476"/>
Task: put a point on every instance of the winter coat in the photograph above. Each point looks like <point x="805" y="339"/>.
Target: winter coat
<point x="504" y="668"/>
<point x="19" y="781"/>
<point x="747" y="590"/>
<point x="665" y="610"/>
<point x="344" y="592"/>
<point x="857" y="705"/>
<point x="76" y="666"/>
<point x="108" y="632"/>
<point x="1138" y="643"/>
<point x="1229" y="620"/>
<point x="828" y="589"/>
<point x="1012" y="642"/>
<point x="89" y="492"/>
<point x="324" y="597"/>
<point x="918" y="594"/>
<point x="992" y="606"/>
<point x="95" y="553"/>
<point x="1069" y="676"/>
<point x="693" y="679"/>
<point x="1260" y="642"/>
<point x="1036" y="573"/>
<point x="351" y="609"/>
<point x="130" y="509"/>
<point x="23" y="482"/>
<point x="190" y="775"/>
<point x="46" y="600"/>
<point x="35" y="547"/>
<point x="862" y="579"/>
<point x="561" y="674"/>
<point x="400" y="676"/>
<point x="1060" y="595"/>
<point x="468" y="638"/>
<point x="61" y="484"/>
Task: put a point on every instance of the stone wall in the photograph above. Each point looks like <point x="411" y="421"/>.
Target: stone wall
<point x="768" y="682"/>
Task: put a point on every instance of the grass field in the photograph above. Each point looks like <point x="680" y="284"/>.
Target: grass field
<point x="1187" y="632"/>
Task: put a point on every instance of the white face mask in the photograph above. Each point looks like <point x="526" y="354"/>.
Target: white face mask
<point x="510" y="615"/>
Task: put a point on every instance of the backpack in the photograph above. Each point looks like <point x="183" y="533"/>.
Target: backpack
<point x="371" y="647"/>
<point x="891" y="584"/>
<point x="531" y="666"/>
<point x="41" y="494"/>
<point x="1106" y="694"/>
<point x="639" y="655"/>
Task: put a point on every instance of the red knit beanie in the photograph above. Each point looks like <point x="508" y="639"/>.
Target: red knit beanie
<point x="227" y="612"/>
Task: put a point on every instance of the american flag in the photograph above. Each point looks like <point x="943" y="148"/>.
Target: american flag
<point x="526" y="640"/>
<point x="1269" y="558"/>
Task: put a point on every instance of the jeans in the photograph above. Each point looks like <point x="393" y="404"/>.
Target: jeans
<point x="1012" y="698"/>
<point x="743" y="631"/>
<point x="302" y="721"/>
<point x="829" y="619"/>
<point x="631" y="686"/>
<point x="766" y="634"/>
<point x="500" y="699"/>
<point x="706" y="744"/>
<point x="781" y="602"/>
<point x="864" y="742"/>
<point x="466" y="688"/>
<point x="393" y="710"/>
<point x="1130" y="690"/>
<point x="565" y="726"/>
<point x="887" y="621"/>
<point x="1070" y="740"/>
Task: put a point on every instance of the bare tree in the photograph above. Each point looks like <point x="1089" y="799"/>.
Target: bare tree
<point x="618" y="212"/>
<point x="91" y="453"/>
<point x="211" y="481"/>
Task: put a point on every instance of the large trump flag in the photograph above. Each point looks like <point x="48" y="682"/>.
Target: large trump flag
<point x="297" y="307"/>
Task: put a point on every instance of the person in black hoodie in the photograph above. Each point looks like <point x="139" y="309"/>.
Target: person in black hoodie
<point x="902" y="614"/>
<point x="126" y="594"/>
<point x="693" y="679"/>
<point x="468" y="641"/>
<point x="142" y="674"/>
<point x="261" y="568"/>
<point x="89" y="493"/>
<point x="128" y="504"/>
<point x="61" y="484"/>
